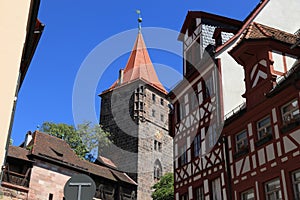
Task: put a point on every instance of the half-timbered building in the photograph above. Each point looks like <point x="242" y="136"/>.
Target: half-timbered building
<point x="254" y="152"/>
<point x="229" y="122"/>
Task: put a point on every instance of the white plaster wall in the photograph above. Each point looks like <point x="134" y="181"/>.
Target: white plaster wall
<point x="13" y="23"/>
<point x="232" y="81"/>
<point x="281" y="14"/>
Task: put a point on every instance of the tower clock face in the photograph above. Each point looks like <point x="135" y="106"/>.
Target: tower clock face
<point x="258" y="72"/>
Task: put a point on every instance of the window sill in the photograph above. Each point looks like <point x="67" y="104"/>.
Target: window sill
<point x="263" y="140"/>
<point x="241" y="152"/>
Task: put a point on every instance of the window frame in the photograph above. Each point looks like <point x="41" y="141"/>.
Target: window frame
<point x="259" y="136"/>
<point x="197" y="146"/>
<point x="290" y="113"/>
<point x="199" y="193"/>
<point x="247" y="192"/>
<point x="237" y="148"/>
<point x="273" y="191"/>
<point x="296" y="183"/>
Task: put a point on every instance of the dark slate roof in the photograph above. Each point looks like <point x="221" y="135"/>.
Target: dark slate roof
<point x="18" y="152"/>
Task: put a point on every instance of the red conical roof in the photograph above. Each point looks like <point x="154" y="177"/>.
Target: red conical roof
<point x="139" y="66"/>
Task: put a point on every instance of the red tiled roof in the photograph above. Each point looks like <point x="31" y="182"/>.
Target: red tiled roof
<point x="56" y="149"/>
<point x="260" y="31"/>
<point x="246" y="22"/>
<point x="140" y="67"/>
<point x="106" y="162"/>
<point x="18" y="152"/>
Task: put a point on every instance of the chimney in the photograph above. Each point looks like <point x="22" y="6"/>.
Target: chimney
<point x="28" y="138"/>
<point x="121" y="74"/>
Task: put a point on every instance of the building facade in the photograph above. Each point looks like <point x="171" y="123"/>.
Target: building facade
<point x="20" y="33"/>
<point x="236" y="137"/>
<point x="135" y="111"/>
<point x="41" y="169"/>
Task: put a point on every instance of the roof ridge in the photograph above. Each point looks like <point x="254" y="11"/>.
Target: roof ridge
<point x="261" y="27"/>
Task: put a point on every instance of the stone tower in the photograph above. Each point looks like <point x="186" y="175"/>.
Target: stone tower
<point x="135" y="111"/>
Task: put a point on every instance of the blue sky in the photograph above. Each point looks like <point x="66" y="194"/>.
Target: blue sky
<point x="74" y="28"/>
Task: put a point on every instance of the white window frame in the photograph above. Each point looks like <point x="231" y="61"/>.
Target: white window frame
<point x="243" y="141"/>
<point x="292" y="114"/>
<point x="244" y="195"/>
<point x="296" y="185"/>
<point x="273" y="191"/>
<point x="264" y="130"/>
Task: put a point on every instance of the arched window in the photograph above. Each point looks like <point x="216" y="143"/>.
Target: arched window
<point x="157" y="170"/>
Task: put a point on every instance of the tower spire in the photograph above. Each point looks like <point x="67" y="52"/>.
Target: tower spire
<point x="139" y="20"/>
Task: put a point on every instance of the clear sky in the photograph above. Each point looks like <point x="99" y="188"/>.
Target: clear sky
<point x="74" y="28"/>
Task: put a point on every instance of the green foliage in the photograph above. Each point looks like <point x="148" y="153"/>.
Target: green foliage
<point x="164" y="189"/>
<point x="83" y="139"/>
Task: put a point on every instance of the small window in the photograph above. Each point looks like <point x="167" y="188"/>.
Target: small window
<point x="290" y="112"/>
<point x="157" y="146"/>
<point x="241" y="141"/>
<point x="153" y="113"/>
<point x="216" y="189"/>
<point x="50" y="196"/>
<point x="248" y="195"/>
<point x="296" y="184"/>
<point x="153" y="98"/>
<point x="162" y="101"/>
<point x="162" y="117"/>
<point x="157" y="170"/>
<point x="197" y="145"/>
<point x="194" y="100"/>
<point x="184" y="197"/>
<point x="273" y="190"/>
<point x="264" y="128"/>
<point x="183" y="156"/>
<point x="141" y="105"/>
<point x="199" y="193"/>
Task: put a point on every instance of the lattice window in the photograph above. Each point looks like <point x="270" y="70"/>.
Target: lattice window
<point x="216" y="189"/>
<point x="199" y="193"/>
<point x="273" y="190"/>
<point x="264" y="128"/>
<point x="248" y="195"/>
<point x="197" y="145"/>
<point x="296" y="184"/>
<point x="290" y="112"/>
<point x="241" y="141"/>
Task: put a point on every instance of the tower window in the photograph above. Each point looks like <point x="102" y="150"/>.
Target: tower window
<point x="162" y="117"/>
<point x="153" y="98"/>
<point x="153" y="113"/>
<point x="157" y="172"/>
<point x="50" y="196"/>
<point x="162" y="101"/>
<point x="157" y="146"/>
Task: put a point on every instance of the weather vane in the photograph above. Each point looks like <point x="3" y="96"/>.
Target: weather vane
<point x="139" y="19"/>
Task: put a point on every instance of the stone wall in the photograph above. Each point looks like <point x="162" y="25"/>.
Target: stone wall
<point x="48" y="179"/>
<point x="137" y="117"/>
